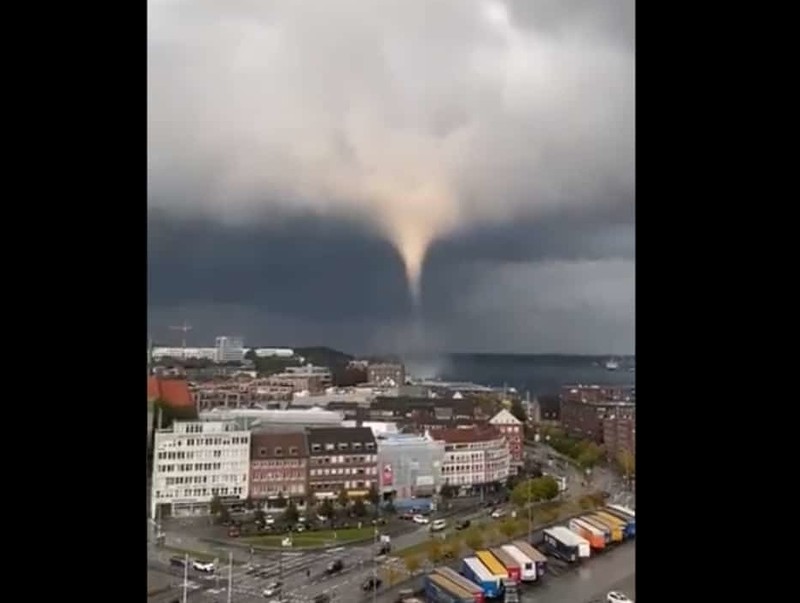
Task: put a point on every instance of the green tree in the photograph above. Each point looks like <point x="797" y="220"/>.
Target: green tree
<point x="474" y="540"/>
<point x="518" y="411"/>
<point x="359" y="509"/>
<point x="508" y="528"/>
<point x="216" y="505"/>
<point x="627" y="463"/>
<point x="326" y="509"/>
<point x="291" y="514"/>
<point x="447" y="492"/>
<point x="374" y="497"/>
<point x="548" y="488"/>
<point x="280" y="502"/>
<point x="412" y="564"/>
<point x="342" y="498"/>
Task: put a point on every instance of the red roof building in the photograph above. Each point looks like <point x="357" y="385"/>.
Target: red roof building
<point x="172" y="392"/>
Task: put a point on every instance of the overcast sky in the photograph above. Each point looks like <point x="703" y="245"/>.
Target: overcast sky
<point x="394" y="174"/>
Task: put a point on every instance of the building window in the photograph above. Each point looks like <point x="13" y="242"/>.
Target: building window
<point x="315" y="448"/>
<point x="293" y="450"/>
<point x="278" y="451"/>
<point x="329" y="447"/>
<point x="342" y="445"/>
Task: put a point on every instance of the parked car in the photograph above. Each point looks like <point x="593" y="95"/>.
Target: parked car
<point x="334" y="567"/>
<point x="203" y="566"/>
<point x="463" y="524"/>
<point x="617" y="597"/>
<point x="322" y="598"/>
<point x="234" y="531"/>
<point x="438" y="525"/>
<point x="272" y="589"/>
<point x="177" y="561"/>
<point x="498" y="513"/>
<point x="421" y="519"/>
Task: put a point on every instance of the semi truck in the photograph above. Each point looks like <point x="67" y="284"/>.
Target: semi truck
<point x="526" y="564"/>
<point x="595" y="536"/>
<point x="467" y="585"/>
<point x="439" y="589"/>
<point x="627" y="511"/>
<point x="476" y="572"/>
<point x="566" y="545"/>
<point x="539" y="558"/>
<point x="512" y="565"/>
<point x="493" y="564"/>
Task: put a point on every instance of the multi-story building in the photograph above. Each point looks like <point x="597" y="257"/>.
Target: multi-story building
<point x="278" y="466"/>
<point x="393" y="374"/>
<point x="585" y="419"/>
<point x="313" y="375"/>
<point x="341" y="459"/>
<point x="619" y="436"/>
<point x="184" y="353"/>
<point x="194" y="461"/>
<point x="513" y="430"/>
<point x="274" y="352"/>
<point x="409" y="465"/>
<point x="474" y="457"/>
<point x="229" y="349"/>
<point x="293" y="419"/>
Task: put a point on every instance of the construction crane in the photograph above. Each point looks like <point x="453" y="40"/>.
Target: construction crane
<point x="184" y="328"/>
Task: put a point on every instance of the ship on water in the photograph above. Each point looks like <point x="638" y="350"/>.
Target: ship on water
<point x="612" y="365"/>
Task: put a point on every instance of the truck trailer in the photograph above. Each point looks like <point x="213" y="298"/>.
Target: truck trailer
<point x="512" y="565"/>
<point x="614" y="528"/>
<point x="629" y="520"/>
<point x="627" y="531"/>
<point x="476" y="572"/>
<point x="468" y="585"/>
<point x="565" y="544"/>
<point x="526" y="565"/>
<point x="538" y="557"/>
<point x="439" y="589"/>
<point x="493" y="564"/>
<point x="595" y="536"/>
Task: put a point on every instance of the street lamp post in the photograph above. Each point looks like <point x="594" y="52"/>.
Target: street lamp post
<point x="185" y="577"/>
<point x="230" y="575"/>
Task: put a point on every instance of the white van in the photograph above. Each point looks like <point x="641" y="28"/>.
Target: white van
<point x="438" y="525"/>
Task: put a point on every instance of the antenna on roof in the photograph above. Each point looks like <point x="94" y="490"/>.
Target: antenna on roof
<point x="185" y="329"/>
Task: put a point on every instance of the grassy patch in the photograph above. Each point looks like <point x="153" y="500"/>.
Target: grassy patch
<point x="319" y="538"/>
<point x="198" y="555"/>
<point x="491" y="533"/>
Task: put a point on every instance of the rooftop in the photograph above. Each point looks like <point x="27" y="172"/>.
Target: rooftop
<point x="335" y="435"/>
<point x="173" y="392"/>
<point x="466" y="436"/>
<point x="266" y="445"/>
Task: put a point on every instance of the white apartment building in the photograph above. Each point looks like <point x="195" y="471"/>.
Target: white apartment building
<point x="193" y="461"/>
<point x="184" y="353"/>
<point x="473" y="457"/>
<point x="274" y="352"/>
<point x="229" y="349"/>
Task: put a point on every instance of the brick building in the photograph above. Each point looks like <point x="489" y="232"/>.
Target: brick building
<point x="585" y="407"/>
<point x="341" y="459"/>
<point x="619" y="436"/>
<point x="513" y="430"/>
<point x="278" y="465"/>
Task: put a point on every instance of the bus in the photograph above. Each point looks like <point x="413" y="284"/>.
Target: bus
<point x="614" y="527"/>
<point x="526" y="564"/>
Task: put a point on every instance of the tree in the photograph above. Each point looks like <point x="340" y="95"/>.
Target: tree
<point x="474" y="540"/>
<point x="434" y="550"/>
<point x="342" y="498"/>
<point x="259" y="515"/>
<point x="291" y="515"/>
<point x="216" y="505"/>
<point x="447" y="492"/>
<point x="280" y="502"/>
<point x="627" y="462"/>
<point x="374" y="497"/>
<point x="326" y="509"/>
<point x="359" y="509"/>
<point x="412" y="564"/>
<point x="588" y="454"/>
<point x="518" y="411"/>
<point x="508" y="528"/>
<point x="548" y="488"/>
